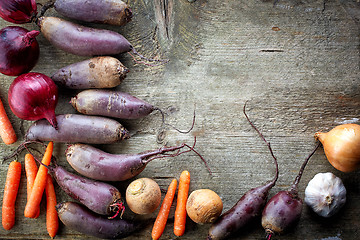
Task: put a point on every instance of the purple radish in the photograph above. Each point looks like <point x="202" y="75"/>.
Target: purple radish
<point x="79" y="218"/>
<point x="284" y="209"/>
<point x="97" y="72"/>
<point x="73" y="128"/>
<point x="114" y="12"/>
<point x="247" y="208"/>
<point x="111" y="103"/>
<point x="96" y="164"/>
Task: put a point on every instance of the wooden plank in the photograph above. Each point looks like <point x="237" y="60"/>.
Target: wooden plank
<point x="295" y="62"/>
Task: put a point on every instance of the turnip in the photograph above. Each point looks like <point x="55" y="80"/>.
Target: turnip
<point x="204" y="206"/>
<point x="143" y="196"/>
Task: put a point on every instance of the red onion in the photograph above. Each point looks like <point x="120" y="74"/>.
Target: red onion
<point x="19" y="50"/>
<point x="33" y="96"/>
<point x="18" y="11"/>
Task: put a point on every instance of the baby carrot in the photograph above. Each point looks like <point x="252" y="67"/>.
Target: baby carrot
<point x="10" y="192"/>
<point x="52" y="220"/>
<point x="162" y="217"/>
<point x="31" y="170"/>
<point x="39" y="184"/>
<point x="180" y="211"/>
<point x="7" y="131"/>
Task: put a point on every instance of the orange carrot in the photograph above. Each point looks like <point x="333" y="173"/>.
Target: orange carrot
<point x="31" y="170"/>
<point x="162" y="217"/>
<point x="39" y="184"/>
<point x="180" y="211"/>
<point x="52" y="220"/>
<point x="10" y="192"/>
<point x="7" y="132"/>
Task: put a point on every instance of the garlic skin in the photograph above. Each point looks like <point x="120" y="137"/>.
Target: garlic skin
<point x="325" y="194"/>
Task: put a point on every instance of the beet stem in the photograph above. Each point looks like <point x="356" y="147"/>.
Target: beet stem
<point x="293" y="189"/>
<point x="268" y="145"/>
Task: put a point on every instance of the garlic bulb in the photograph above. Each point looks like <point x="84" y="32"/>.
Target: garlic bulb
<point x="325" y="194"/>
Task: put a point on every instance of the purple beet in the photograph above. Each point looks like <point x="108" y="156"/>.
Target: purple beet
<point x="79" y="218"/>
<point x="284" y="209"/>
<point x="247" y="208"/>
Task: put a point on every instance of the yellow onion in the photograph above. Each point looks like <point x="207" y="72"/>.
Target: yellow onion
<point x="342" y="146"/>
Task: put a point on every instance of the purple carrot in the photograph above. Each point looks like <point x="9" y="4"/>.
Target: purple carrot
<point x="247" y="208"/>
<point x="111" y="103"/>
<point x="81" y="219"/>
<point x="73" y="128"/>
<point x="99" y="165"/>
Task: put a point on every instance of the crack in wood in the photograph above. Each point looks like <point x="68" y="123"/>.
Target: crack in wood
<point x="163" y="15"/>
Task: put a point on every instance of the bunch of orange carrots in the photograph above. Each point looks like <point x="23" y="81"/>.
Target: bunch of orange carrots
<point x="180" y="211"/>
<point x="38" y="182"/>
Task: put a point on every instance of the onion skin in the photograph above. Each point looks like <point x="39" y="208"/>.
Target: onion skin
<point x="18" y="11"/>
<point x="342" y="146"/>
<point x="19" y="50"/>
<point x="34" y="96"/>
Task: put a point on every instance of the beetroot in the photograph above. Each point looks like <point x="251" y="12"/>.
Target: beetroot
<point x="284" y="209"/>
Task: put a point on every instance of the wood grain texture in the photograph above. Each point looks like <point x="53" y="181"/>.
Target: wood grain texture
<point x="295" y="62"/>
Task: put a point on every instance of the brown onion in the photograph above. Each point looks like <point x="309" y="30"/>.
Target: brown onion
<point x="342" y="146"/>
<point x="33" y="96"/>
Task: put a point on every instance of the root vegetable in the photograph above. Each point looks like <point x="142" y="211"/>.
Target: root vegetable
<point x="97" y="164"/>
<point x="247" y="208"/>
<point x="79" y="218"/>
<point x="111" y="103"/>
<point x="180" y="210"/>
<point x="78" y="128"/>
<point x="99" y="197"/>
<point x="143" y="196"/>
<point x="97" y="72"/>
<point x="85" y="41"/>
<point x="114" y="12"/>
<point x="80" y="40"/>
<point x="284" y="209"/>
<point x="204" y="206"/>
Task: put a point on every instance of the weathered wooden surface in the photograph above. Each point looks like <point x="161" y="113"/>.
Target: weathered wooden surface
<point x="296" y="62"/>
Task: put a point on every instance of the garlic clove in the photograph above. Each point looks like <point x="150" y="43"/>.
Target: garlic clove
<point x="325" y="194"/>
